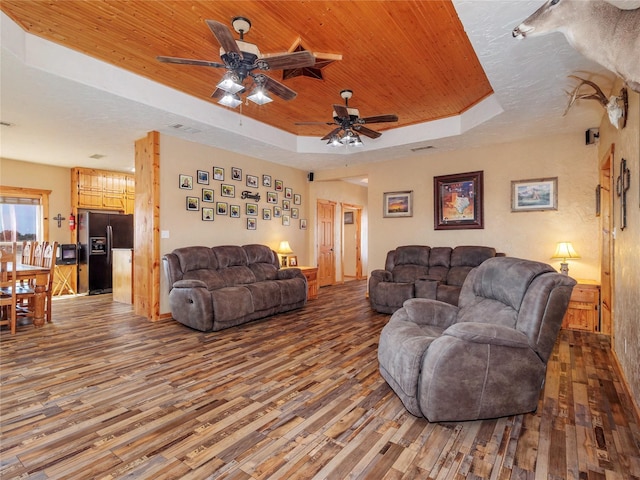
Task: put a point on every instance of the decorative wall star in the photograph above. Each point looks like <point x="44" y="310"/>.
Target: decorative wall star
<point x="322" y="60"/>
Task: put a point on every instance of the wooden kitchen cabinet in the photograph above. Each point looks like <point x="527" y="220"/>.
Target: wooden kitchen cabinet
<point x="102" y="190"/>
<point x="583" y="312"/>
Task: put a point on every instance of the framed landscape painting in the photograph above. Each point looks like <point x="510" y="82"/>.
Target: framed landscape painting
<point x="534" y="195"/>
<point x="397" y="204"/>
<point x="458" y="202"/>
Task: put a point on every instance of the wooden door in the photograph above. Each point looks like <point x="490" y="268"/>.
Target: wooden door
<point x="326" y="243"/>
<point x="606" y="243"/>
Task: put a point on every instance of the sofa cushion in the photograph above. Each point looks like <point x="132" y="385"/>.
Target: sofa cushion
<point x="409" y="273"/>
<point x="412" y="255"/>
<point x="440" y="257"/>
<point x="265" y="295"/>
<point x="230" y="256"/>
<point x="231" y="303"/>
<point x="211" y="278"/>
<point x="262" y="261"/>
<point x="195" y="258"/>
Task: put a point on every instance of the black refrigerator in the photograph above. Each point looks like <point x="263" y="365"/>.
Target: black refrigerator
<point x="98" y="234"/>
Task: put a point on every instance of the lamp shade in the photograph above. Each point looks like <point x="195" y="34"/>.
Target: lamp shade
<point x="284" y="248"/>
<point x="565" y="250"/>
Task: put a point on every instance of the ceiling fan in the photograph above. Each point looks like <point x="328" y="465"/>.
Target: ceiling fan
<point x="350" y="124"/>
<point x="240" y="59"/>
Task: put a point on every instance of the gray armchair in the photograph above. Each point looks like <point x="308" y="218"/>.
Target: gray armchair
<point x="484" y="358"/>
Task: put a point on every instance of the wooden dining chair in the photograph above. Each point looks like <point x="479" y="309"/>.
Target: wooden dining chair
<point x="38" y="253"/>
<point x="8" y="287"/>
<point x="27" y="252"/>
<point x="49" y="261"/>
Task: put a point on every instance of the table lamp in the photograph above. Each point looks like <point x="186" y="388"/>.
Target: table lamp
<point x="565" y="250"/>
<point x="283" y="250"/>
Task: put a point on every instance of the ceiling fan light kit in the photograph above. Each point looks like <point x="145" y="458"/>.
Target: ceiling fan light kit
<point x="349" y="124"/>
<point x="231" y="100"/>
<point x="230" y="83"/>
<point x="259" y="96"/>
<point x="241" y="59"/>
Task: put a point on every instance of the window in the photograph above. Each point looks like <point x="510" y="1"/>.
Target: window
<point x="22" y="214"/>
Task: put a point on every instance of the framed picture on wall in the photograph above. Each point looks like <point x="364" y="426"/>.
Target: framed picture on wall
<point x="303" y="224"/>
<point x="207" y="195"/>
<point x="534" y="195"/>
<point x="266" y="180"/>
<point x="348" y="218"/>
<point x="266" y="214"/>
<point x="203" y="177"/>
<point x="222" y="208"/>
<point x="186" y="181"/>
<point x="193" y="203"/>
<point x="397" y="204"/>
<point x="207" y="214"/>
<point x="236" y="174"/>
<point x="458" y="202"/>
<point x="227" y="190"/>
<point x="252" y="181"/>
<point x="252" y="223"/>
<point x="297" y="199"/>
<point x="234" y="211"/>
<point x="218" y="173"/>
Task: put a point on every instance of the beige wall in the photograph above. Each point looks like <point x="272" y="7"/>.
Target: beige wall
<point x="187" y="228"/>
<point x="626" y="304"/>
<point x="530" y="235"/>
<point x="15" y="173"/>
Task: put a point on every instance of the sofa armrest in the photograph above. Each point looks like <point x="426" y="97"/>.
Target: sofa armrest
<point x="488" y="334"/>
<point x="382" y="275"/>
<point x="189" y="284"/>
<point x="286" y="273"/>
<point x="425" y="311"/>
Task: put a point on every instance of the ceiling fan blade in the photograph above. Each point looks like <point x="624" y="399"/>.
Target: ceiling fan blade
<point x="379" y="119"/>
<point x="366" y="131"/>
<point x="341" y="111"/>
<point x="188" y="61"/>
<point x="314" y="123"/>
<point x="224" y="37"/>
<point x="288" y="61"/>
<point x="275" y="87"/>
<point x="331" y="133"/>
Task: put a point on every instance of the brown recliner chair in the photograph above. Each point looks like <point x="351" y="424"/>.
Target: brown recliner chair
<point x="484" y="358"/>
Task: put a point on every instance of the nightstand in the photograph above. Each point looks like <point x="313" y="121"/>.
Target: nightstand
<point x="583" y="312"/>
<point x="312" y="281"/>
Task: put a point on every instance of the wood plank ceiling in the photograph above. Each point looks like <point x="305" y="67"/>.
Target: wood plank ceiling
<point x="410" y="58"/>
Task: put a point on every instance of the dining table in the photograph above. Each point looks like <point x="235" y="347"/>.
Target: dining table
<point x="40" y="277"/>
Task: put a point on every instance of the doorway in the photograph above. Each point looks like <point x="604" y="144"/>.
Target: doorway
<point x="351" y="258"/>
<point x="606" y="241"/>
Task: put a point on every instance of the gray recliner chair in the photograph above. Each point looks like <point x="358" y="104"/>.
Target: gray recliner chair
<point x="484" y="358"/>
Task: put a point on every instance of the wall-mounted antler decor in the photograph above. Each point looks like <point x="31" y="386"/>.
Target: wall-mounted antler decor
<point x="616" y="106"/>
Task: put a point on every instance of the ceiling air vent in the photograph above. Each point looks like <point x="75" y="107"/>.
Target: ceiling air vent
<point x="417" y="149"/>
<point x="97" y="156"/>
<point x="183" y="128"/>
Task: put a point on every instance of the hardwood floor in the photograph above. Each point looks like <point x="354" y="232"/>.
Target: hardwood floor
<point x="103" y="394"/>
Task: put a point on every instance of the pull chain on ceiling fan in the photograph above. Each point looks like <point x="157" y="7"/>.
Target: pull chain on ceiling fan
<point x="350" y="124"/>
<point x="240" y="60"/>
